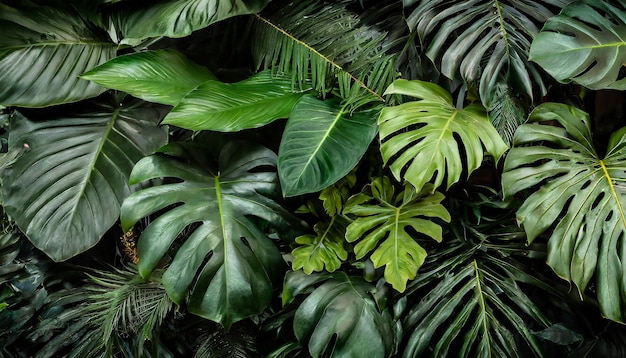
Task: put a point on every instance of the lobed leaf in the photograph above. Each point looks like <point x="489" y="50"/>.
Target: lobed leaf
<point x="322" y="251"/>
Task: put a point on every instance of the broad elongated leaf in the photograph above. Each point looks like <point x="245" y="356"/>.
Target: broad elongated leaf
<point x="577" y="196"/>
<point x="340" y="316"/>
<point x="584" y="44"/>
<point x="177" y="18"/>
<point x="484" y="40"/>
<point x="65" y="191"/>
<point x="43" y="51"/>
<point x="419" y="139"/>
<point x="161" y="76"/>
<point x="226" y="264"/>
<point x="226" y="107"/>
<point x="381" y="225"/>
<point x="322" y="142"/>
<point x="323" y="251"/>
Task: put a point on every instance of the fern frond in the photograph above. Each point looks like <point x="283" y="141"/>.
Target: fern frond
<point x="507" y="112"/>
<point x="331" y="49"/>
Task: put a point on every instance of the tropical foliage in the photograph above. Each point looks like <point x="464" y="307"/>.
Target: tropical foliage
<point x="304" y="178"/>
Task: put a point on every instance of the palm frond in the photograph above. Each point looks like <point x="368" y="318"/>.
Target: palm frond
<point x="507" y="112"/>
<point x="238" y="342"/>
<point x="335" y="51"/>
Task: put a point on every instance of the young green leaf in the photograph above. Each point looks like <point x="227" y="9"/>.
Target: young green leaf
<point x="382" y="222"/>
<point x="324" y="250"/>
<point x="426" y="138"/>
<point x="227" y="107"/>
<point x="161" y="76"/>
<point x="577" y="196"/>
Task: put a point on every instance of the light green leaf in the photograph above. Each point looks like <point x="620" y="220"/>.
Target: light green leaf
<point x="577" y="196"/>
<point x="383" y="216"/>
<point x="322" y="142"/>
<point x="324" y="250"/>
<point x="161" y="76"/>
<point x="418" y="138"/>
<point x="177" y="18"/>
<point x="66" y="189"/>
<point x="225" y="263"/>
<point x="43" y="51"/>
<point x="585" y="44"/>
<point x="340" y="316"/>
<point x="227" y="107"/>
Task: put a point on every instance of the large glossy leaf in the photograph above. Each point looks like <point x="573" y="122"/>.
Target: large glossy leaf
<point x="321" y="143"/>
<point x="431" y="138"/>
<point x="177" y="18"/>
<point x="161" y="76"/>
<point x="226" y="264"/>
<point x="227" y="107"/>
<point x="383" y="218"/>
<point x="486" y="41"/>
<point x="578" y="197"/>
<point x="65" y="191"/>
<point x="584" y="44"/>
<point x="324" y="250"/>
<point x="339" y="316"/>
<point x="43" y="51"/>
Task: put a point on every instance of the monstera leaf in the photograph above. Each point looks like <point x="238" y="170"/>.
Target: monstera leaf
<point x="339" y="316"/>
<point x="584" y="44"/>
<point x="43" y="51"/>
<point x="577" y="196"/>
<point x="322" y="143"/>
<point x="384" y="216"/>
<point x="422" y="139"/>
<point x="177" y="18"/>
<point x="161" y="76"/>
<point x="226" y="264"/>
<point x="324" y="250"/>
<point x="66" y="189"/>
<point x="483" y="41"/>
<point x="228" y="107"/>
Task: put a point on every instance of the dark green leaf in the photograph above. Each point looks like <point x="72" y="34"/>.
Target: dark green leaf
<point x="161" y="76"/>
<point x="322" y="143"/>
<point x="65" y="191"/>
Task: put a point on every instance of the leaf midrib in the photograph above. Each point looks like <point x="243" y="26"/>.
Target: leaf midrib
<point x="58" y="43"/>
<point x="613" y="191"/>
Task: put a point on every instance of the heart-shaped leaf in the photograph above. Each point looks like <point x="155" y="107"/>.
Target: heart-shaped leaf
<point x="578" y="196"/>
<point x="321" y="143"/>
<point x="227" y="107"/>
<point x="43" y="50"/>
<point x="226" y="264"/>
<point x="384" y="216"/>
<point x="584" y="44"/>
<point x="161" y="76"/>
<point x="425" y="138"/>
<point x="66" y="189"/>
<point x="340" y="316"/>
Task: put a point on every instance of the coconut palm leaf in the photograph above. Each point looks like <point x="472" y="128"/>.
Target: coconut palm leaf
<point x="226" y="265"/>
<point x="577" y="198"/>
<point x="584" y="44"/>
<point x="43" y="50"/>
<point x="66" y="189"/>
<point x="483" y="41"/>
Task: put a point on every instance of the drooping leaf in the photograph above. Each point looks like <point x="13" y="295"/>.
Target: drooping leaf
<point x="226" y="264"/>
<point x="333" y="51"/>
<point x="340" y="316"/>
<point x="484" y="41"/>
<point x="322" y="251"/>
<point x="43" y="50"/>
<point x="426" y="138"/>
<point x="584" y="44"/>
<point x="227" y="107"/>
<point x="381" y="225"/>
<point x="177" y="18"/>
<point x="161" y="76"/>
<point x="66" y="189"/>
<point x="322" y="142"/>
<point x="578" y="198"/>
